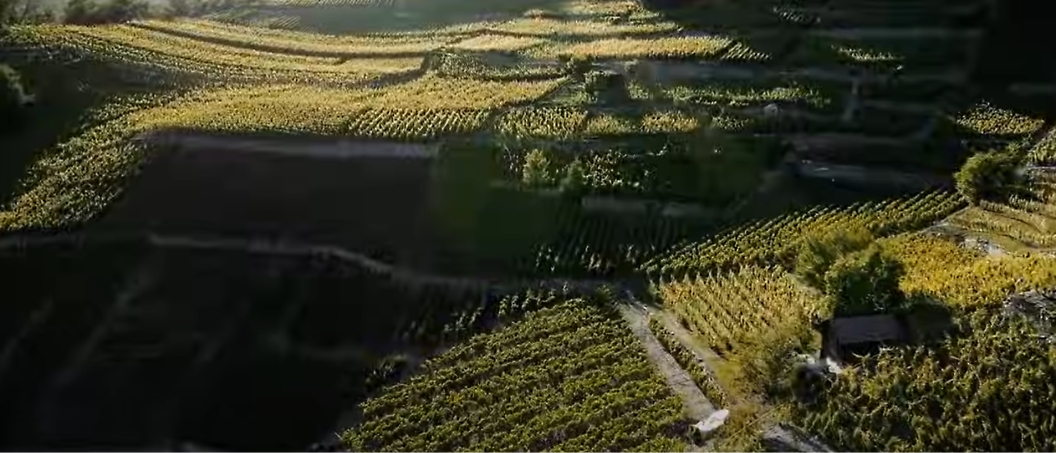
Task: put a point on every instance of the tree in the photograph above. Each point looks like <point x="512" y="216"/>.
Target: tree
<point x="13" y="99"/>
<point x="574" y="178"/>
<point x="536" y="170"/>
<point x="988" y="176"/>
<point x="864" y="283"/>
<point x="818" y="253"/>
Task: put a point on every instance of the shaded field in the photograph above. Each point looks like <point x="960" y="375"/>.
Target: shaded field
<point x="377" y="206"/>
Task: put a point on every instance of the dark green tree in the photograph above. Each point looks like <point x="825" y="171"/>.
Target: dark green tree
<point x="864" y="283"/>
<point x="574" y="179"/>
<point x="989" y="176"/>
<point x="818" y="253"/>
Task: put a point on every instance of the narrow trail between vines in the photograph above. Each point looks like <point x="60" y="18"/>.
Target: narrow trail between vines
<point x="695" y="404"/>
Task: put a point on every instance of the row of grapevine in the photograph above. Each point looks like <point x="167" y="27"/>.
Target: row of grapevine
<point x="944" y="272"/>
<point x="601" y="245"/>
<point x="745" y="53"/>
<point x="586" y="385"/>
<point x="666" y="47"/>
<point x="295" y="43"/>
<point x="498" y="42"/>
<point x="521" y="124"/>
<point x="1044" y="152"/>
<point x="481" y="67"/>
<point x="415" y="125"/>
<point x="778" y="240"/>
<point x="586" y="28"/>
<point x="431" y="92"/>
<point x="1016" y="223"/>
<point x="991" y="389"/>
<point x="745" y="95"/>
<point x="689" y="362"/>
<point x="985" y="119"/>
<point x="733" y="310"/>
<point x="128" y="47"/>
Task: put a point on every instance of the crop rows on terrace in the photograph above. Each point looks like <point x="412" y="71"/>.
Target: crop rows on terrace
<point x="986" y="120"/>
<point x="415" y="125"/>
<point x="732" y="310"/>
<point x="124" y="46"/>
<point x="1023" y="221"/>
<point x="497" y="42"/>
<point x="585" y="385"/>
<point x="292" y="42"/>
<point x="480" y="66"/>
<point x="957" y="277"/>
<point x="990" y="389"/>
<point x="603" y="245"/>
<point x="583" y="28"/>
<point x="750" y="94"/>
<point x="666" y="47"/>
<point x="777" y="240"/>
<point x="86" y="172"/>
<point x="1044" y="152"/>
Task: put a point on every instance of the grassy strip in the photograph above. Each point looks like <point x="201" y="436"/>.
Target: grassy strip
<point x="688" y="361"/>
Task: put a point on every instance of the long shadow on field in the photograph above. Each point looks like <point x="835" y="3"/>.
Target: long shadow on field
<point x="115" y="346"/>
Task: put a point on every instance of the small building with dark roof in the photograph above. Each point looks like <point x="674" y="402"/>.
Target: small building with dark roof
<point x="844" y="337"/>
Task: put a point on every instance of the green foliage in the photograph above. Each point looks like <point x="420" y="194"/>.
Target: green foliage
<point x="574" y="180"/>
<point x="988" y="176"/>
<point x="577" y="68"/>
<point x="536" y="171"/>
<point x="607" y="86"/>
<point x="566" y="378"/>
<point x="864" y="283"/>
<point x="819" y="252"/>
<point x="988" y="390"/>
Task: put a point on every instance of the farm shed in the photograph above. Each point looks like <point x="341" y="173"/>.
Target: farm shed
<point x="842" y="338"/>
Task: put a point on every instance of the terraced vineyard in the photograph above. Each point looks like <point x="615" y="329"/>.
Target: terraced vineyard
<point x="777" y="240"/>
<point x="583" y="383"/>
<point x="989" y="379"/>
<point x="478" y="193"/>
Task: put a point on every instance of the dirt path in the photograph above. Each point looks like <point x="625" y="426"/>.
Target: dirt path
<point x="684" y="336"/>
<point x="696" y="405"/>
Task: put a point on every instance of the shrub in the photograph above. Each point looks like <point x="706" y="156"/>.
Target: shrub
<point x="577" y="68"/>
<point x="864" y="283"/>
<point x="987" y="176"/>
<point x="574" y="180"/>
<point x="607" y="86"/>
<point x="536" y="170"/>
<point x="817" y="254"/>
